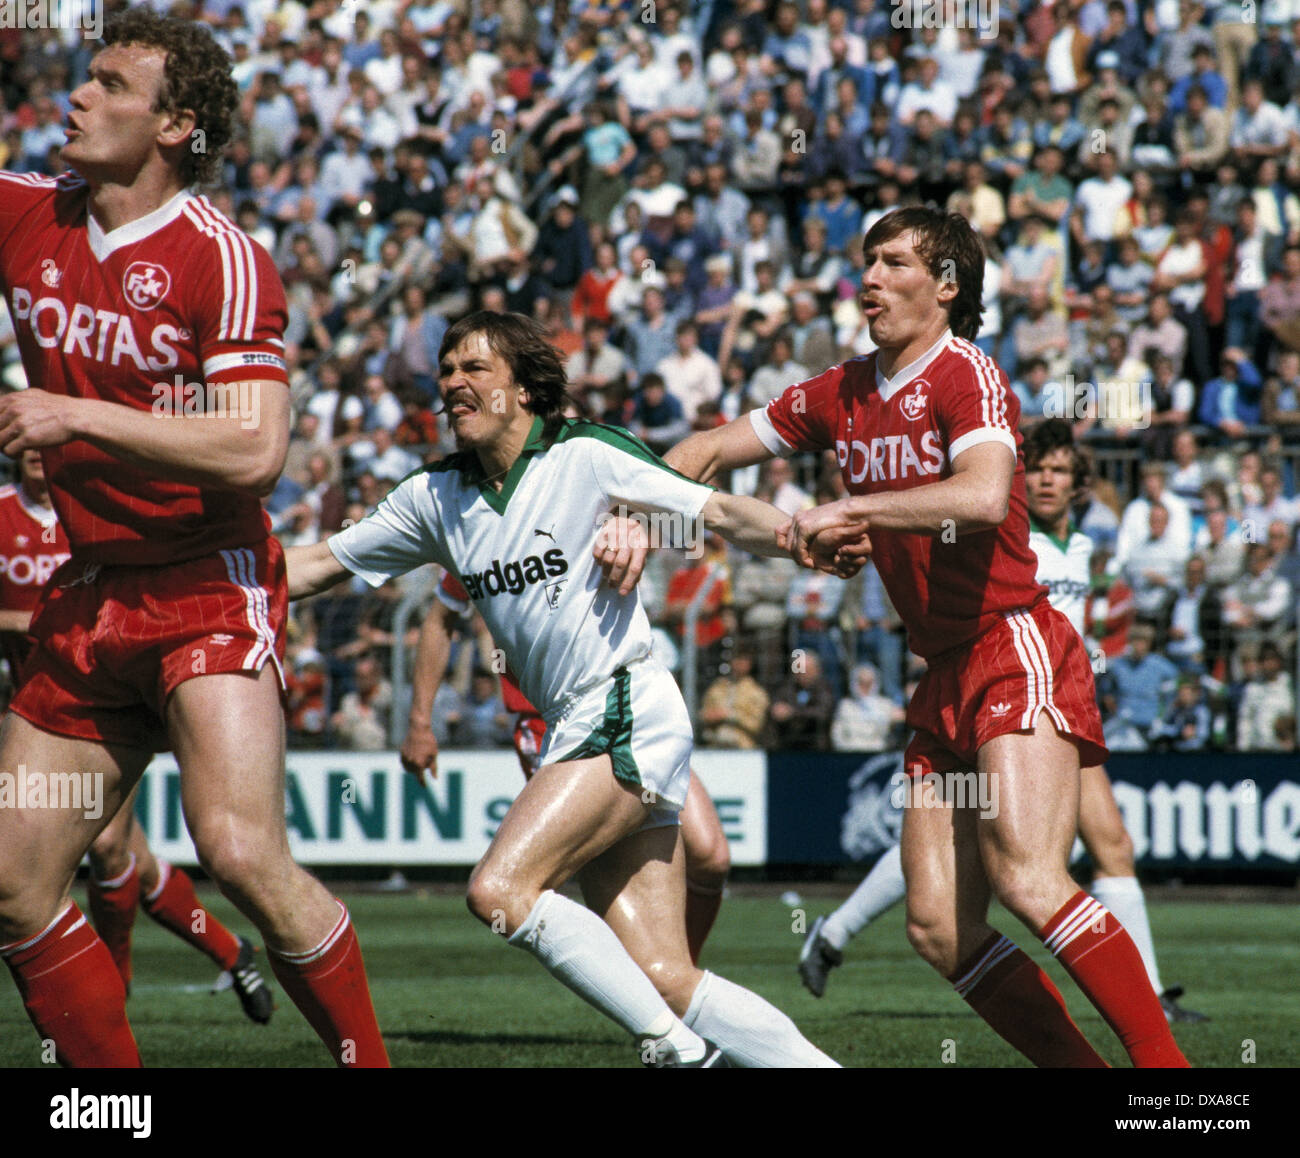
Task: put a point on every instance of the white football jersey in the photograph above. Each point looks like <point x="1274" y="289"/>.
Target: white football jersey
<point x="1063" y="570"/>
<point x="524" y="553"/>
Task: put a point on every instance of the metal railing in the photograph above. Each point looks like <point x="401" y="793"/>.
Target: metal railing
<point x="690" y="652"/>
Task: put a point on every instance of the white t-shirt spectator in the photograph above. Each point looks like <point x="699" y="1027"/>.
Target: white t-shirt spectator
<point x="1101" y="202"/>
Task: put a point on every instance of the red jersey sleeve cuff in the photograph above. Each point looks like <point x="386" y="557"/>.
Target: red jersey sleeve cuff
<point x="767" y="433"/>
<point x="981" y="434"/>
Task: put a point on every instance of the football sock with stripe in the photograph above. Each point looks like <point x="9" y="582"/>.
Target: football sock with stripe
<point x="328" y="984"/>
<point x="1018" y="1000"/>
<point x="1123" y="897"/>
<point x="1105" y="964"/>
<point x="750" y="1032"/>
<point x="74" y="994"/>
<point x="112" y="910"/>
<point x="174" y="905"/>
<point x="882" y="888"/>
<point x="581" y="952"/>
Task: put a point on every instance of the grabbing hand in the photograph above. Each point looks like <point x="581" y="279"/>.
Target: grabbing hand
<point x="827" y="538"/>
<point x="33" y="419"/>
<point x="622" y="545"/>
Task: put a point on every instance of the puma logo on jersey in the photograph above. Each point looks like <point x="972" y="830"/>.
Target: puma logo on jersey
<point x="539" y="531"/>
<point x="890" y="457"/>
<point x="513" y="578"/>
<point x="1000" y="709"/>
<point x="913" y="404"/>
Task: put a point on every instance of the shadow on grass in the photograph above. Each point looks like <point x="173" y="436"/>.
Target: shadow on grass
<point x="454" y="1037"/>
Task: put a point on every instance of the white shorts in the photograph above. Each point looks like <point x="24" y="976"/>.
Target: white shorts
<point x="639" y="719"/>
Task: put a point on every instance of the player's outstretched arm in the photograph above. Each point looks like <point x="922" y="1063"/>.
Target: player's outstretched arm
<point x="240" y="447"/>
<point x="708" y="453"/>
<point x="974" y="498"/>
<point x="312" y="569"/>
<point x="748" y="523"/>
<point x="432" y="654"/>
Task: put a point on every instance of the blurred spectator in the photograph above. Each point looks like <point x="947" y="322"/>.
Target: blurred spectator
<point x="1280" y="301"/>
<point x="1141" y="678"/>
<point x="864" y="720"/>
<point x="484" y="721"/>
<point x="1185" y="725"/>
<point x="1186" y="647"/>
<point x="658" y="418"/>
<point x="1269" y="700"/>
<point x="1154" y="567"/>
<point x="1259" y="602"/>
<point x="689" y="374"/>
<point x="802" y="707"/>
<point x="733" y="713"/>
<point x="361" y="722"/>
<point x="1135" y="525"/>
<point x="597" y="366"/>
<point x="1232" y="402"/>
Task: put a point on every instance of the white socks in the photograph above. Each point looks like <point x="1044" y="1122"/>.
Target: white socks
<point x="1123" y="897"/>
<point x="750" y="1032"/>
<point x="881" y="889"/>
<point x="581" y="952"/>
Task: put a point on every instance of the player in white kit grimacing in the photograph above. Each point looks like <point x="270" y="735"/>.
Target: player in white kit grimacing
<point x="1055" y="470"/>
<point x="515" y="516"/>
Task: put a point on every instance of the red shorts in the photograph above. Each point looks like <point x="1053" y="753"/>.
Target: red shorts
<point x="112" y="643"/>
<point x="1032" y="662"/>
<point x="530" y="731"/>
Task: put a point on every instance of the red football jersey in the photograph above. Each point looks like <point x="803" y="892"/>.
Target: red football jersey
<point x="899" y="434"/>
<point x="154" y="315"/>
<point x="452" y="592"/>
<point x="32" y="547"/>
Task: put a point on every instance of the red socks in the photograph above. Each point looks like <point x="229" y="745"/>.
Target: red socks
<point x="73" y="994"/>
<point x="112" y="909"/>
<point x="174" y="905"/>
<point x="1019" y="1001"/>
<point x="1106" y="965"/>
<point x="329" y="985"/>
<point x="702" y="905"/>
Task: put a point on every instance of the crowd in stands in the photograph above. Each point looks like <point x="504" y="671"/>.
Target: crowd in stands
<point x="677" y="191"/>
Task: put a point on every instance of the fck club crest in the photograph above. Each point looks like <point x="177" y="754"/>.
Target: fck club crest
<point x="145" y="284"/>
<point x="913" y="403"/>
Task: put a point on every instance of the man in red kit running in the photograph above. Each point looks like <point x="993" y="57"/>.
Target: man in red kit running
<point x="925" y="430"/>
<point x="708" y="860"/>
<point x="124" y="873"/>
<point x="152" y="331"/>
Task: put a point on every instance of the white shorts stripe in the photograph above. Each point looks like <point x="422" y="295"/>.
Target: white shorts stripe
<point x="1032" y="690"/>
<point x="240" y="567"/>
<point x="1039" y="644"/>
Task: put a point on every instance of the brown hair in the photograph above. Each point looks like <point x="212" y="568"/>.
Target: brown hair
<point x="940" y="238"/>
<point x="196" y="77"/>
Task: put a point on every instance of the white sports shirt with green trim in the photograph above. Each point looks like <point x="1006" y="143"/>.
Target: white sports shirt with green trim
<point x="1063" y="570"/>
<point x="524" y="553"/>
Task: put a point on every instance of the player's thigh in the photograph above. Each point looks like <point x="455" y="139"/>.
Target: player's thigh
<point x="708" y="859"/>
<point x="638" y="888"/>
<point x="227" y="731"/>
<point x="566" y="815"/>
<point x="947" y="891"/>
<point x="42" y="844"/>
<point x="1026" y="834"/>
<point x="1101" y="825"/>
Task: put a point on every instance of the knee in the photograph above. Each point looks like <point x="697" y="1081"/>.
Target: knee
<point x="25" y="911"/>
<point x="934" y="939"/>
<point x="1021" y="891"/>
<point x="110" y="855"/>
<point x="1112" y="852"/>
<point x="499" y="901"/>
<point x="237" y="862"/>
<point x="708" y="867"/>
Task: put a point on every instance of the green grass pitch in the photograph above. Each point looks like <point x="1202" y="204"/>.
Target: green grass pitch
<point x="448" y="993"/>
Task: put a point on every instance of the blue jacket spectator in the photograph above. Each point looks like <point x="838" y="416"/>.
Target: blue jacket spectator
<point x="1234" y="399"/>
<point x="1140" y="679"/>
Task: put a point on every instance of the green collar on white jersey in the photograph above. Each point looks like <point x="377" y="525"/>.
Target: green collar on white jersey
<point x="1041" y="528"/>
<point x="498" y="500"/>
